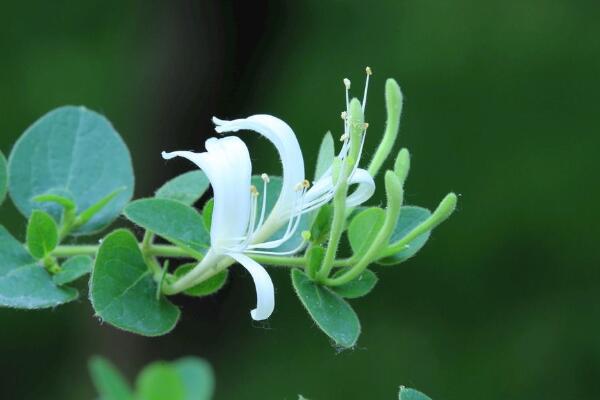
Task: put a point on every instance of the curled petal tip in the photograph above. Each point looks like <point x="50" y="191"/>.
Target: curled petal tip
<point x="218" y="121"/>
<point x="167" y="155"/>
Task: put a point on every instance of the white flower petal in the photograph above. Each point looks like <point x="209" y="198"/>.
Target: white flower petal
<point x="228" y="168"/>
<point x="265" y="292"/>
<point x="284" y="139"/>
<point x="365" y="189"/>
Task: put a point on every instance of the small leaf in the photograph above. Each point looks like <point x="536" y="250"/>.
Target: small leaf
<point x="123" y="291"/>
<point x="75" y="153"/>
<point x="330" y="312"/>
<point x="64" y="202"/>
<point x="108" y="381"/>
<point x="410" y="217"/>
<point x="186" y="188"/>
<point x="207" y="213"/>
<point x="160" y="381"/>
<point x="208" y="287"/>
<point x="326" y="155"/>
<point x="95" y="208"/>
<point x="42" y="234"/>
<point x="358" y="287"/>
<point x="315" y="258"/>
<point x="24" y="283"/>
<point x="73" y="269"/>
<point x="411" y="394"/>
<point x="364" y="228"/>
<point x="198" y="378"/>
<point x="3" y="178"/>
<point x="319" y="231"/>
<point x="172" y="220"/>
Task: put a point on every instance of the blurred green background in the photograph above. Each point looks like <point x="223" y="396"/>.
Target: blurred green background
<point x="501" y="106"/>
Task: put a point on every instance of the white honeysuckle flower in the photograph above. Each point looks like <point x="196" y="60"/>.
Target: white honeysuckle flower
<point x="227" y="165"/>
<point x="292" y="203"/>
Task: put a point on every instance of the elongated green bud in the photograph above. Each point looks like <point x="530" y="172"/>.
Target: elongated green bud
<point x="402" y="165"/>
<point x="356" y="125"/>
<point x="393" y="104"/>
<point x="443" y="210"/>
<point x="394" y="192"/>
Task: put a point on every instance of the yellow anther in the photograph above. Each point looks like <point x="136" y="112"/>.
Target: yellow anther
<point x="369" y="71"/>
<point x="344" y="115"/>
<point x="265" y="178"/>
<point x="344" y="137"/>
<point x="305" y="184"/>
<point x="366" y="125"/>
<point x="253" y="191"/>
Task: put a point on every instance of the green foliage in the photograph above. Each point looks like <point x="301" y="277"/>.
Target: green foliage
<point x="173" y="220"/>
<point x="23" y="282"/>
<point x="331" y="313"/>
<point x="109" y="382"/>
<point x="73" y="269"/>
<point x="42" y="234"/>
<point x="205" y="288"/>
<point x="410" y="218"/>
<point x="207" y="213"/>
<point x="319" y="230"/>
<point x="411" y="394"/>
<point x="357" y="287"/>
<point x="75" y="153"/>
<point x="364" y="228"/>
<point x="186" y="188"/>
<point x="315" y="257"/>
<point x="326" y="155"/>
<point x="123" y="291"/>
<point x="3" y="178"/>
<point x="186" y="379"/>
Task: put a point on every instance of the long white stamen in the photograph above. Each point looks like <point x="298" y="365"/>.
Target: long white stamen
<point x="266" y="180"/>
<point x="364" y="102"/>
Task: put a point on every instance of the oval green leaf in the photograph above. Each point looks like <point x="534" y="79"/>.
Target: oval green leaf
<point x="109" y="382"/>
<point x="332" y="314"/>
<point x="198" y="378"/>
<point x="172" y="220"/>
<point x="23" y="282"/>
<point x="358" y="287"/>
<point x="411" y="394"/>
<point x="208" y="287"/>
<point x="160" y="381"/>
<point x="410" y="218"/>
<point x="186" y="188"/>
<point x="75" y="153"/>
<point x="3" y="178"/>
<point x="42" y="234"/>
<point x="73" y="269"/>
<point x="364" y="229"/>
<point x="123" y="291"/>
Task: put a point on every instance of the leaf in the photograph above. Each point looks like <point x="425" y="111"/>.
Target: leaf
<point x="64" y="202"/>
<point x="123" y="291"/>
<point x="358" y="287"/>
<point x="108" y="381"/>
<point x="364" y="228"/>
<point x="410" y="217"/>
<point x="273" y="191"/>
<point x="411" y="394"/>
<point x="160" y="381"/>
<point x="73" y="269"/>
<point x="24" y="283"/>
<point x="319" y="230"/>
<point x="186" y="188"/>
<point x="198" y="378"/>
<point x="75" y="153"/>
<point x="326" y="155"/>
<point x="95" y="208"/>
<point x="208" y="287"/>
<point x="330" y="312"/>
<point x="207" y="213"/>
<point x="42" y="234"/>
<point x="172" y="220"/>
<point x="3" y="178"/>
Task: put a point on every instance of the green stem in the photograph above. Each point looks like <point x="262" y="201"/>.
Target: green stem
<point x="337" y="228"/>
<point x="395" y="197"/>
<point x="150" y="259"/>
